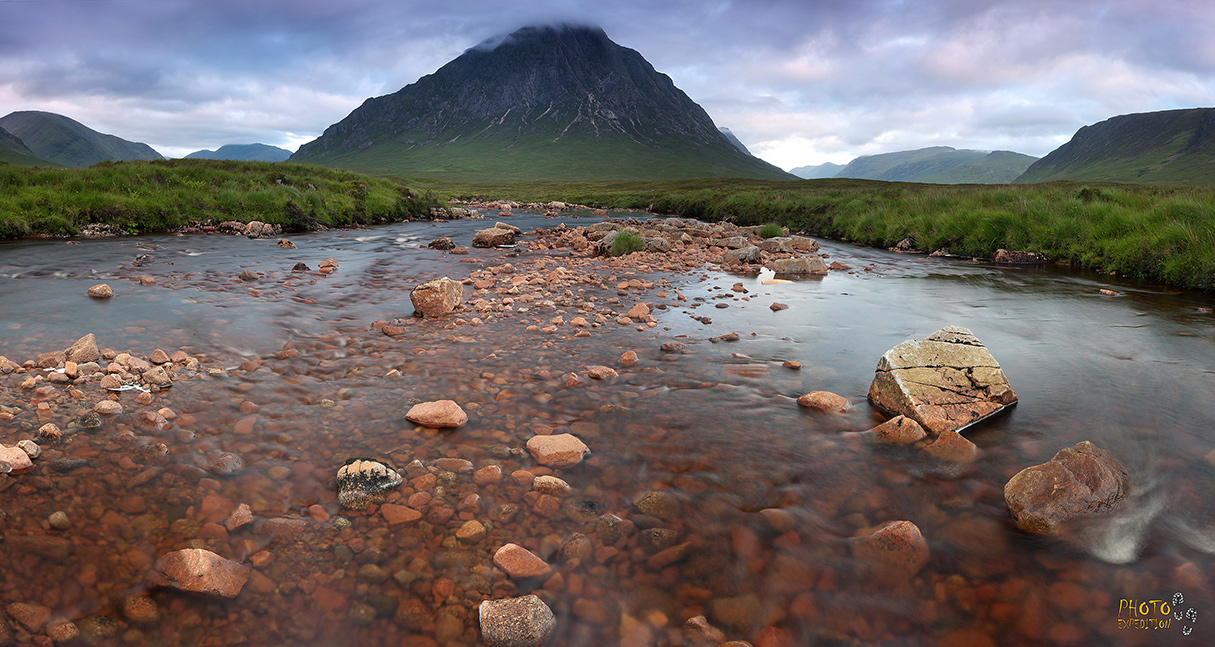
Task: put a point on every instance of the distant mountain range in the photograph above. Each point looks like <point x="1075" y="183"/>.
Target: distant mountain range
<point x="65" y="142"/>
<point x="935" y="165"/>
<point x="243" y="153"/>
<point x="545" y="102"/>
<point x="1168" y="147"/>
<point x="818" y="172"/>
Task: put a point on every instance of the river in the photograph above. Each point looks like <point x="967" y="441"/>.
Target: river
<point x="716" y="426"/>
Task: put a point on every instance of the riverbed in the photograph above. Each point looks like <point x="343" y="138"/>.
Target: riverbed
<point x="308" y="382"/>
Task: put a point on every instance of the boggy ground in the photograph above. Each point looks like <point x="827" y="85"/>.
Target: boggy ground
<point x="736" y="535"/>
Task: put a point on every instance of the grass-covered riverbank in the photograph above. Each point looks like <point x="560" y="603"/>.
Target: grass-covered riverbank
<point x="1165" y="234"/>
<point x="158" y="196"/>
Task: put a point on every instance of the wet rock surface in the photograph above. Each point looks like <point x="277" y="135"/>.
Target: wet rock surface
<point x="200" y="571"/>
<point x="1080" y="482"/>
<point x="516" y="622"/>
<point x="945" y="382"/>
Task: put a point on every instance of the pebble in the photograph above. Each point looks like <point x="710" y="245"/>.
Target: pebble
<point x="471" y="532"/>
<point x="30" y="448"/>
<point x="516" y="622"/>
<point x="101" y="291"/>
<point x="140" y="609"/>
<point x="657" y="503"/>
<point x="520" y="563"/>
<point x="31" y="617"/>
<point x="107" y="408"/>
<point x="895" y="551"/>
<point x="62" y="632"/>
<point x="551" y="485"/>
<point x="59" y="520"/>
<point x="601" y="372"/>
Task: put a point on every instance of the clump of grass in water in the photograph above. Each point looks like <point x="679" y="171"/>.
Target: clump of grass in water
<point x="771" y="230"/>
<point x="627" y="243"/>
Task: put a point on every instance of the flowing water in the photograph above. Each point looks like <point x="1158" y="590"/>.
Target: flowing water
<point x="716" y="426"/>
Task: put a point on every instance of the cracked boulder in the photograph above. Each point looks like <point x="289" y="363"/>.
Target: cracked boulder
<point x="946" y="382"/>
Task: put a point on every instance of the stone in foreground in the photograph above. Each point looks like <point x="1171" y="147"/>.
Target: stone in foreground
<point x="200" y="571"/>
<point x="493" y="237"/>
<point x="895" y="551"/>
<point x="1080" y="481"/>
<point x="441" y="414"/>
<point x="520" y="563"/>
<point x="558" y="450"/>
<point x="436" y="298"/>
<point x="362" y="481"/>
<point x="516" y="622"/>
<point x="825" y="401"/>
<point x="946" y="382"/>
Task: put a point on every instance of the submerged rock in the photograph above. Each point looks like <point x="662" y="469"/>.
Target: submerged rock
<point x="825" y="401"/>
<point x="516" y="622"/>
<point x="945" y="382"/>
<point x="200" y="571"/>
<point x="1080" y="481"/>
<point x="558" y="450"/>
<point x="361" y="481"/>
<point x="895" y="551"/>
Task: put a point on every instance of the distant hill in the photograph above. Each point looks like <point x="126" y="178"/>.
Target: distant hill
<point x="733" y="139"/>
<point x="1169" y="147"/>
<point x="57" y="139"/>
<point x="545" y="102"/>
<point x="819" y="172"/>
<point x="243" y="153"/>
<point x="14" y="151"/>
<point x="940" y="165"/>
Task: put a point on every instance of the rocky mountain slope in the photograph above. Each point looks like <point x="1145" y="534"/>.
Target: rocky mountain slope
<point x="545" y="102"/>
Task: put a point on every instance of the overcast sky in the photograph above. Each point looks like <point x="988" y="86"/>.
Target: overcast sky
<point x="799" y="82"/>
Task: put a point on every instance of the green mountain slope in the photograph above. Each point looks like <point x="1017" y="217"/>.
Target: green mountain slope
<point x="559" y="103"/>
<point x="1168" y="147"/>
<point x="14" y="151"/>
<point x="61" y="140"/>
<point x="939" y="165"/>
<point x="243" y="153"/>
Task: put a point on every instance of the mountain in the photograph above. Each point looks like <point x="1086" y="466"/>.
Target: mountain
<point x="940" y="165"/>
<point x="733" y="139"/>
<point x="243" y="153"/>
<point x="66" y="142"/>
<point x="545" y="102"/>
<point x="1169" y="147"/>
<point x="818" y="172"/>
<point x="14" y="151"/>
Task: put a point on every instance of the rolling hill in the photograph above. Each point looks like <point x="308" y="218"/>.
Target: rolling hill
<point x="14" y="151"/>
<point x="66" y="142"/>
<point x="939" y="165"/>
<point x="1168" y="147"/>
<point x="243" y="153"/>
<point x="545" y="102"/>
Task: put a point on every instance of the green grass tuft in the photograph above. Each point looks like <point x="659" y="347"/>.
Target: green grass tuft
<point x="771" y="230"/>
<point x="626" y="243"/>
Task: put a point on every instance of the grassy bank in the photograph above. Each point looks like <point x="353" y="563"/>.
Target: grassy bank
<point x="1165" y="234"/>
<point x="158" y="196"/>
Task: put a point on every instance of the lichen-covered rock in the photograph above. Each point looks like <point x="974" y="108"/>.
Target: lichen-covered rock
<point x="493" y="237"/>
<point x="516" y="622"/>
<point x="799" y="265"/>
<point x="749" y="254"/>
<point x="442" y="243"/>
<point x="200" y="571"/>
<point x="362" y="481"/>
<point x="1017" y="257"/>
<point x="83" y="351"/>
<point x="946" y="382"/>
<point x="1080" y="481"/>
<point x="436" y="298"/>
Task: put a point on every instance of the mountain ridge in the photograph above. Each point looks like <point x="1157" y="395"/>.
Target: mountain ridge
<point x="939" y="165"/>
<point x="14" y="151"/>
<point x="1162" y="147"/>
<point x="243" y="153"/>
<point x="544" y="102"/>
<point x="67" y="142"/>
